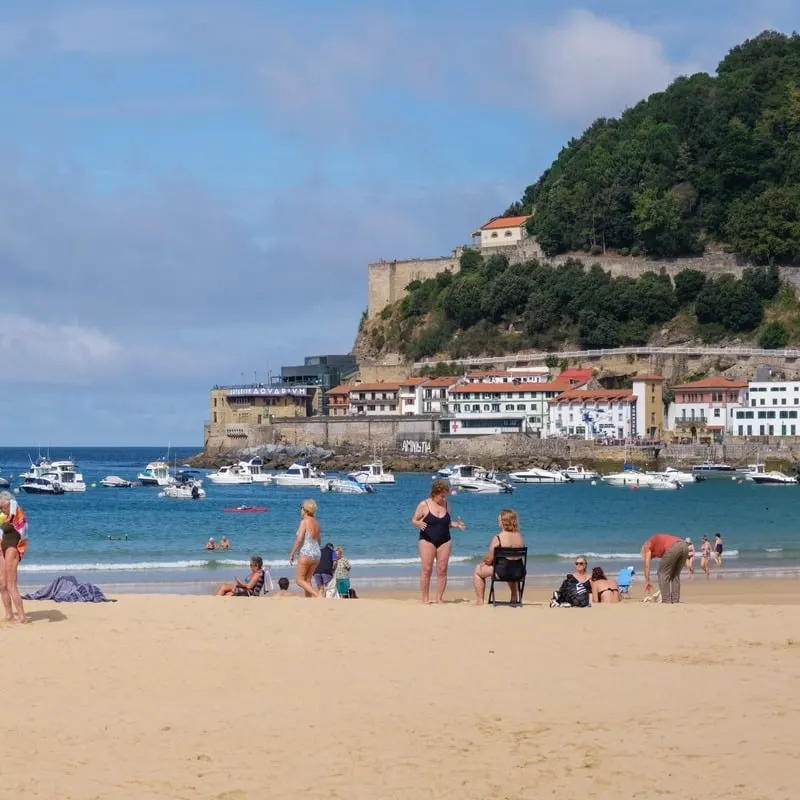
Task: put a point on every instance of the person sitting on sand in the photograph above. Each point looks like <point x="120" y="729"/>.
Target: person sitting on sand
<point x="604" y="590"/>
<point x="283" y="588"/>
<point x="211" y="544"/>
<point x="576" y="588"/>
<point x="224" y="544"/>
<point x="509" y="536"/>
<point x="252" y="586"/>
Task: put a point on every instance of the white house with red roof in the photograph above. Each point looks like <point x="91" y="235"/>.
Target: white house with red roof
<point x="432" y="394"/>
<point x="594" y="414"/>
<point x="704" y="410"/>
<point x="501" y="231"/>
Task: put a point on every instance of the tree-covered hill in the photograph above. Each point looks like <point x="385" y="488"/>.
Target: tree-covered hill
<point x="712" y="158"/>
<point x="491" y="307"/>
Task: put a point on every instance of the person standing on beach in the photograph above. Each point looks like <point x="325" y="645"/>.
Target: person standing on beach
<point x="12" y="549"/>
<point x="705" y="555"/>
<point x="690" y="557"/>
<point x="307" y="547"/>
<point x="432" y="517"/>
<point x="673" y="553"/>
<point x="323" y="574"/>
<point x="718" y="548"/>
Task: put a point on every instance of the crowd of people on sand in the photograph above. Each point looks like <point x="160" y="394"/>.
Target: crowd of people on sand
<point x="321" y="570"/>
<point x="579" y="588"/>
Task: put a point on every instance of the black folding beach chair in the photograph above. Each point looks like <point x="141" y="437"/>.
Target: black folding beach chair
<point x="510" y="566"/>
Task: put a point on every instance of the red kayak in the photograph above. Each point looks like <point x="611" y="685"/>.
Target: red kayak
<point x="247" y="510"/>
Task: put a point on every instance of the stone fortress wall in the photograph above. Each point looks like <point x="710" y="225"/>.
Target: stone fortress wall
<point x="388" y="279"/>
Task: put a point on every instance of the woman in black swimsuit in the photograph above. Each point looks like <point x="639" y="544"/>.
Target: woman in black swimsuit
<point x="432" y="517"/>
<point x="604" y="590"/>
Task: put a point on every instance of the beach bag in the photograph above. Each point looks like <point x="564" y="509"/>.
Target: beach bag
<point x="573" y="593"/>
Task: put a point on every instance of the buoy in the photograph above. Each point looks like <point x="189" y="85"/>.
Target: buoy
<point x="16" y="491"/>
<point x="594" y="483"/>
<point x="734" y="478"/>
<point x="94" y="486"/>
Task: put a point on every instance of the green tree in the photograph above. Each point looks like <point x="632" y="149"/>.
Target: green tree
<point x="773" y="336"/>
<point x="767" y="228"/>
<point x="470" y="260"/>
<point x="657" y="219"/>
<point x="688" y="284"/>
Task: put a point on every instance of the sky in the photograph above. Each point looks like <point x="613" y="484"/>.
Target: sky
<point x="191" y="191"/>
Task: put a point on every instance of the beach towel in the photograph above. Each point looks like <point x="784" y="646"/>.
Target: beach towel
<point x="66" y="589"/>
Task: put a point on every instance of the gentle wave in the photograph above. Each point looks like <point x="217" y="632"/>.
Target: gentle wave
<point x="204" y="564"/>
<point x="628" y="556"/>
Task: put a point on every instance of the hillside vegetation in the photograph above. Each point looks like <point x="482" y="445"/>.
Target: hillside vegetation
<point x="711" y="158"/>
<point x="490" y="307"/>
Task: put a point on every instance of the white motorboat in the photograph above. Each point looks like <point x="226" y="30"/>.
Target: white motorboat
<point x="38" y="468"/>
<point x="66" y="474"/>
<point x="231" y="474"/>
<point x="5" y="483"/>
<point x="580" y="473"/>
<point x="156" y="473"/>
<point x="758" y="474"/>
<point x="476" y="480"/>
<point x="444" y="474"/>
<point x="346" y="486"/>
<point x="665" y="484"/>
<point x="300" y="475"/>
<point x="115" y="482"/>
<point x="187" y="486"/>
<point x="679" y="475"/>
<point x="631" y="477"/>
<point x="536" y="475"/>
<point x="46" y="484"/>
<point x="372" y="474"/>
<point x="255" y="468"/>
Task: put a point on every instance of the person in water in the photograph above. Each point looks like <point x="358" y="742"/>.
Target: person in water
<point x="673" y="553"/>
<point x="705" y="555"/>
<point x="433" y="519"/>
<point x="211" y="544"/>
<point x="307" y="548"/>
<point x="224" y="544"/>
<point x="509" y="536"/>
<point x="604" y="590"/>
<point x="252" y="586"/>
<point x="718" y="548"/>
<point x="14" y="525"/>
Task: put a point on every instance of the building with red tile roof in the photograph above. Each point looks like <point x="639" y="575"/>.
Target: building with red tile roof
<point x="703" y="411"/>
<point x="500" y="231"/>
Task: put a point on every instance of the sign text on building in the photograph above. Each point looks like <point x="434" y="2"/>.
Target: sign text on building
<point x="270" y="391"/>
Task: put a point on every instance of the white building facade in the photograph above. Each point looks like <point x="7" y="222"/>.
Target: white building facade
<point x="770" y="408"/>
<point x="501" y="231"/>
<point x="703" y="411"/>
<point x="490" y="408"/>
<point x="374" y="399"/>
<point x="594" y="414"/>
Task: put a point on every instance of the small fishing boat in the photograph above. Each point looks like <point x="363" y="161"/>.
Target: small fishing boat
<point x="115" y="482"/>
<point x="187" y="486"/>
<point x="247" y="510"/>
<point x="579" y="473"/>
<point x="758" y="474"/>
<point x="156" y="473"/>
<point x="300" y="474"/>
<point x="474" y="479"/>
<point x="373" y="473"/>
<point x="231" y="474"/>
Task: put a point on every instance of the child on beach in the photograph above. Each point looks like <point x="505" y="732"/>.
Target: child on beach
<point x="283" y="588"/>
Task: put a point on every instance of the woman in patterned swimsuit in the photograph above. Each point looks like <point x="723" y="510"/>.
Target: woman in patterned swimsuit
<point x="306" y="545"/>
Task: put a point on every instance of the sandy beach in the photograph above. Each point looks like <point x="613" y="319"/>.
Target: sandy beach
<point x="196" y="697"/>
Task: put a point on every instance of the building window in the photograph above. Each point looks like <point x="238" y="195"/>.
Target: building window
<point x="749" y="430"/>
<point x="741" y="428"/>
<point x="494" y="234"/>
<point x="716" y="412"/>
<point x="771" y="430"/>
<point x="520" y="406"/>
<point x="509" y="406"/>
<point x="215" y="416"/>
<point x="508" y="233"/>
<point x="215" y="402"/>
<point x="370" y="408"/>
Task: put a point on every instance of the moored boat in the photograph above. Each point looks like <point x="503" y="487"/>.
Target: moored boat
<point x="115" y="482"/>
<point x="346" y="486"/>
<point x="231" y="474"/>
<point x="300" y="474"/>
<point x="473" y="479"/>
<point x="713" y="467"/>
<point x="156" y="473"/>
<point x="580" y="473"/>
<point x="45" y="484"/>
<point x="187" y="486"/>
<point x="254" y="467"/>
<point x="537" y="475"/>
<point x="373" y="473"/>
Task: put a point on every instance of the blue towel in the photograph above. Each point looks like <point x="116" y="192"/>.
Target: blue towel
<point x="66" y="589"/>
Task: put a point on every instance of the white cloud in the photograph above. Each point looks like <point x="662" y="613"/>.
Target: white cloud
<point x="588" y="66"/>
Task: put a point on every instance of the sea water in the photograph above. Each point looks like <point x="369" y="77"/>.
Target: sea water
<point x="134" y="540"/>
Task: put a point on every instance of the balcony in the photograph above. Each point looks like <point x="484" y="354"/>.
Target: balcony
<point x="694" y="422"/>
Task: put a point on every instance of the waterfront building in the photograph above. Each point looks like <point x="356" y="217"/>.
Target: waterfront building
<point x="769" y="409"/>
<point x="364" y="400"/>
<point x="649" y="393"/>
<point x="511" y="375"/>
<point x="320" y="372"/>
<point x="410" y="398"/>
<point x="338" y="401"/>
<point x="601" y="414"/>
<point x="433" y="394"/>
<point x="703" y="411"/>
<point x="482" y="408"/>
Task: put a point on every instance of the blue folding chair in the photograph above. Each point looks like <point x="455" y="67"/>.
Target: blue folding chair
<point x="625" y="579"/>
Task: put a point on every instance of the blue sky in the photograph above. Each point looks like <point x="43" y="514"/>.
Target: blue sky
<point x="191" y="191"/>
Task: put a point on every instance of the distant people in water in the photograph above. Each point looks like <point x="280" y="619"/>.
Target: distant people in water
<point x="224" y="544"/>
<point x="211" y="544"/>
<point x="123" y="538"/>
<point x="604" y="590"/>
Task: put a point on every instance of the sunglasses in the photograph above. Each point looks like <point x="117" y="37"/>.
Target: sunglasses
<point x="580" y="563"/>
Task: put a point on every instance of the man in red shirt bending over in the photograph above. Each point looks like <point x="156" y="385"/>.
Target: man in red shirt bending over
<point x="673" y="553"/>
